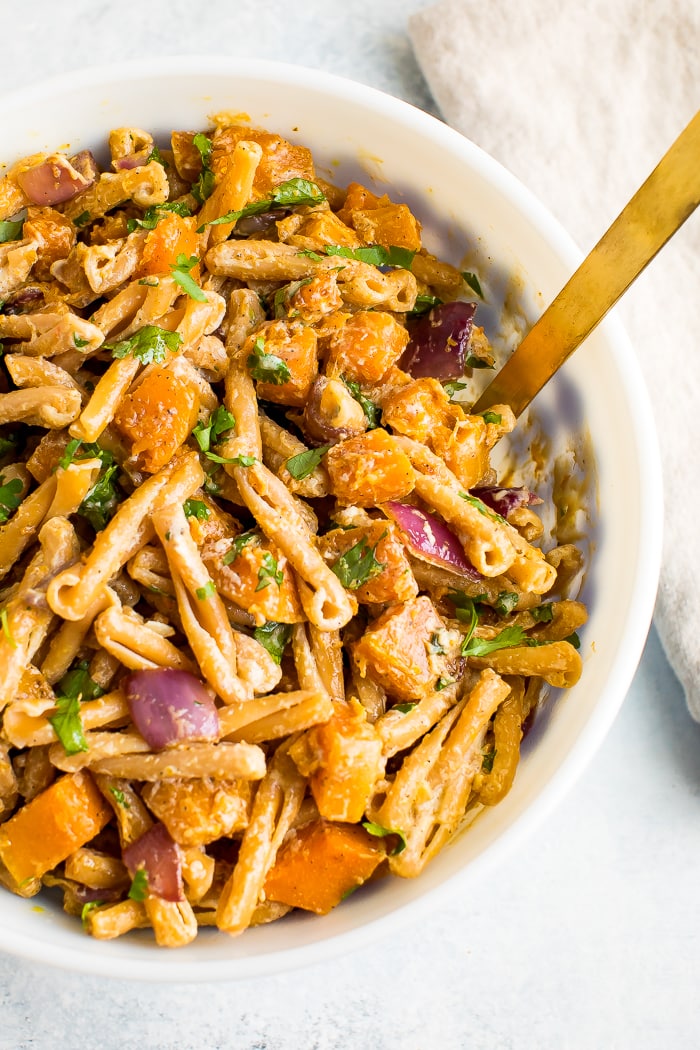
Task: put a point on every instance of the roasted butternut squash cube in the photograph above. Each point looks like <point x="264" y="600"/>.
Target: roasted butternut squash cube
<point x="466" y="452"/>
<point x="326" y="228"/>
<point x="282" y="357"/>
<point x="52" y="826"/>
<point x="197" y="812"/>
<point x="394" y="581"/>
<point x="314" y="299"/>
<point x="378" y="220"/>
<point x="281" y="160"/>
<point x="397" y="650"/>
<point x="157" y="416"/>
<point x="258" y="577"/>
<point x="320" y="863"/>
<point x="174" y="235"/>
<point x="348" y="762"/>
<point x="54" y="235"/>
<point x="422" y="410"/>
<point x="369" y="469"/>
<point x="366" y="346"/>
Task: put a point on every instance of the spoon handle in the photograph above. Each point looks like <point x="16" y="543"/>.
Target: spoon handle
<point x="659" y="208"/>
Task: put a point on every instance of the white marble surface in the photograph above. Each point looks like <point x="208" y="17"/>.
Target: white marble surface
<point x="590" y="936"/>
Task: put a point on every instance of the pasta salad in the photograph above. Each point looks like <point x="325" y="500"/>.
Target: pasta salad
<point x="271" y="627"/>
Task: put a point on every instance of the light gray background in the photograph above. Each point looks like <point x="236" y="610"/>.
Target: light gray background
<point x="589" y="936"/>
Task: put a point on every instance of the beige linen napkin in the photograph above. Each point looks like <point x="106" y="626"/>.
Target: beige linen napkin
<point x="580" y="101"/>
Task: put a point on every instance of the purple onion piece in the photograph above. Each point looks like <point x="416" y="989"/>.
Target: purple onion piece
<point x="168" y="706"/>
<point x="439" y="342"/>
<point x="250" y="224"/>
<point x="87" y="895"/>
<point x="86" y="165"/>
<point x="131" y="160"/>
<point x="430" y="539"/>
<point x="23" y="301"/>
<point x="159" y="856"/>
<point x="54" y="181"/>
<point x="504" y="500"/>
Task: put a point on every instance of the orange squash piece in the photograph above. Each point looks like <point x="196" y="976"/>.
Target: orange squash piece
<point x="396" y="582"/>
<point x="366" y="347"/>
<point x="250" y="580"/>
<point x="378" y="220"/>
<point x="50" y="827"/>
<point x="294" y="344"/>
<point x="281" y="160"/>
<point x="369" y="469"/>
<point x="174" y="235"/>
<point x="347" y="753"/>
<point x="395" y="649"/>
<point x="320" y="863"/>
<point x="157" y="417"/>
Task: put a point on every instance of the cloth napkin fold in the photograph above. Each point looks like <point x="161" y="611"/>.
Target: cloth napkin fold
<point x="580" y="101"/>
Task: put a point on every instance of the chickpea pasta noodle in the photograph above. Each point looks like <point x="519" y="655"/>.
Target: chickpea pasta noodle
<point x="257" y="646"/>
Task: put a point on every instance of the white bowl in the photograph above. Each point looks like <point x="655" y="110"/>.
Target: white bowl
<point x="466" y="201"/>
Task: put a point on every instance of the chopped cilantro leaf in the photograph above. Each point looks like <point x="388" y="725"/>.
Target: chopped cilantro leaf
<point x="152" y="216"/>
<point x="78" y="342"/>
<point x="238" y="461"/>
<point x="473" y="361"/>
<point x="442" y="683"/>
<point x="375" y="255"/>
<point x="207" y="434"/>
<point x="68" y="724"/>
<point x="481" y="507"/>
<point x="358" y="565"/>
<point x="405" y="708"/>
<point x="505" y="602"/>
<point x="10" y="231"/>
<point x="487" y="761"/>
<point x="423" y="304"/>
<point x="274" y="637"/>
<point x="574" y="640"/>
<point x="306" y="462"/>
<point x="453" y="387"/>
<point x="507" y="638"/>
<point x="238" y="544"/>
<point x="78" y="683"/>
<point x="82" y="220"/>
<point x="269" y="572"/>
<point x="492" y="417"/>
<point x="204" y="186"/>
<point x="157" y="156"/>
<point x="380" y="832"/>
<point x="180" y="270"/>
<point x="206" y="591"/>
<point x="472" y="281"/>
<point x="120" y="798"/>
<point x="138" y="891"/>
<point x="466" y="611"/>
<point x="6" y="628"/>
<point x="310" y="254"/>
<point x="267" y="368"/>
<point x="149" y="345"/>
<point x="195" y="508"/>
<point x="87" y="908"/>
<point x="10" y="496"/>
<point x="542" y="613"/>
<point x="7" y="445"/>
<point x="372" y="412"/>
<point x="289" y="194"/>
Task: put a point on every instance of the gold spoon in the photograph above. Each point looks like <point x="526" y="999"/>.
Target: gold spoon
<point x="657" y="210"/>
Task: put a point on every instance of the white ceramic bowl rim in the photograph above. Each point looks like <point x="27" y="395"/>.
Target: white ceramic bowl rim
<point x="177" y="966"/>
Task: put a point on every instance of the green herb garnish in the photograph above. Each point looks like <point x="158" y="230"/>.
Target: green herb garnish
<point x="269" y="572"/>
<point x="68" y="724"/>
<point x="10" y="231"/>
<point x="120" y="798"/>
<point x="82" y="220"/>
<point x="10" y="496"/>
<point x="492" y="417"/>
<point x="101" y="502"/>
<point x="267" y="368"/>
<point x="506" y="639"/>
<point x="206" y="591"/>
<point x="149" y="345"/>
<point x="472" y="281"/>
<point x="310" y="254"/>
<point x="180" y="270"/>
<point x="375" y="255"/>
<point x="204" y="186"/>
<point x="423" y="304"/>
<point x="195" y="508"/>
<point x="542" y="613"/>
<point x="274" y="637"/>
<point x="306" y="462"/>
<point x="487" y="761"/>
<point x="358" y="565"/>
<point x="442" y="683"/>
<point x="381" y="833"/>
<point x="207" y="434"/>
<point x="238" y="544"/>
<point x="157" y="156"/>
<point x="481" y="507"/>
<point x="4" y="624"/>
<point x="405" y="708"/>
<point x="138" y="891"/>
<point x="289" y="194"/>
<point x="505" y="602"/>
<point x="152" y="216"/>
<point x="86" y="909"/>
<point x="574" y="640"/>
<point x="78" y="683"/>
<point x="372" y="412"/>
<point x="453" y="387"/>
<point x="238" y="461"/>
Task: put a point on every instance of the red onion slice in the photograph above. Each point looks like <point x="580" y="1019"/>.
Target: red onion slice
<point x="55" y="181"/>
<point x="430" y="539"/>
<point x="504" y="500"/>
<point x="168" y="706"/>
<point x="159" y="856"/>
<point x="439" y="342"/>
<point x="132" y="160"/>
